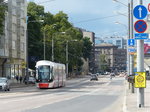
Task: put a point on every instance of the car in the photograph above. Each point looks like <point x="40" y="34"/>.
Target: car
<point x="4" y="84"/>
<point x="31" y="80"/>
<point x="94" y="77"/>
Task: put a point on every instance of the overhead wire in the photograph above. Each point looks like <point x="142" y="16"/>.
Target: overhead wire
<point x="95" y="19"/>
<point x="45" y="1"/>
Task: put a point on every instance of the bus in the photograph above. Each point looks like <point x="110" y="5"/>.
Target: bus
<point x="50" y="74"/>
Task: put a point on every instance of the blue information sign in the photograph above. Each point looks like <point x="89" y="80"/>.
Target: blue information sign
<point x="140" y="12"/>
<point x="131" y="42"/>
<point x="140" y="36"/>
<point x="131" y="49"/>
<point x="140" y="26"/>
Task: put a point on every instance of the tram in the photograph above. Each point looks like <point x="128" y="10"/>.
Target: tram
<point x="50" y="74"/>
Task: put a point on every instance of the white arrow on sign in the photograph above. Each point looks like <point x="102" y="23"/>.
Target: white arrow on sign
<point x="140" y="12"/>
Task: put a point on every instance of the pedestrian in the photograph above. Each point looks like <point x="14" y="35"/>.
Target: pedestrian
<point x="25" y="80"/>
<point x="17" y="78"/>
<point x="20" y="78"/>
<point x="111" y="75"/>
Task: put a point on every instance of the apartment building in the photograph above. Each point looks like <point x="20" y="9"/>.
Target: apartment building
<point x="91" y="61"/>
<point x="118" y="41"/>
<point x="115" y="59"/>
<point x="13" y="44"/>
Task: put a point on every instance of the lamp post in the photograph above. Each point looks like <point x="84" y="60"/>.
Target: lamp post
<point x="53" y="43"/>
<point x="26" y="51"/>
<point x="67" y="55"/>
<point x="130" y="58"/>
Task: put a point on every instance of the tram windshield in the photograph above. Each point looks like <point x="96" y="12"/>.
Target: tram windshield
<point x="44" y="72"/>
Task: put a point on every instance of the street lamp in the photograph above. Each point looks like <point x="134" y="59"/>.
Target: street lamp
<point x="66" y="50"/>
<point x="120" y="2"/>
<point x="53" y="44"/>
<point x="67" y="54"/>
<point x="116" y="22"/>
<point x="27" y="64"/>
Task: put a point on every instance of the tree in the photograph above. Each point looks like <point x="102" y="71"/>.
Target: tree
<point x="87" y="47"/>
<point x="58" y="28"/>
<point x="35" y="35"/>
<point x="2" y="16"/>
<point x="103" y="62"/>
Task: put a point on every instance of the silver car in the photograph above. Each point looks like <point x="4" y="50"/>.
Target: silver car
<point x="4" y="84"/>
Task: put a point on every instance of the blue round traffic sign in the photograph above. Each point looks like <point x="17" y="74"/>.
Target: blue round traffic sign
<point x="140" y="12"/>
<point x="140" y="26"/>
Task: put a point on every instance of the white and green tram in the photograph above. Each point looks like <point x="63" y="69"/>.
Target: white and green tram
<point x="50" y="74"/>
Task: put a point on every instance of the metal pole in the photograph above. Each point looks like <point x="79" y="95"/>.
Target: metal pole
<point x="67" y="58"/>
<point x="140" y="68"/>
<point x="52" y="49"/>
<point x="27" y="64"/>
<point x="44" y="44"/>
<point x="131" y="36"/>
<point x="128" y="56"/>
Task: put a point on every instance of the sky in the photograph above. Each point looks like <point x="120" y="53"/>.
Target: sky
<point x="98" y="16"/>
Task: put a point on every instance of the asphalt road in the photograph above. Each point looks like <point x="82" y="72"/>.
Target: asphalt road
<point x="79" y="95"/>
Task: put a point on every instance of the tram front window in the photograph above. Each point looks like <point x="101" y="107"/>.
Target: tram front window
<point x="44" y="73"/>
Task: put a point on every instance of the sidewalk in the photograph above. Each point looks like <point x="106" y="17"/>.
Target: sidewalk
<point x="130" y="103"/>
<point x="20" y="85"/>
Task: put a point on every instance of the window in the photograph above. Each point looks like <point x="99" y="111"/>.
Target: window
<point x="13" y="45"/>
<point x="110" y="41"/>
<point x="22" y="30"/>
<point x="118" y="42"/>
<point x="22" y="46"/>
<point x="14" y="28"/>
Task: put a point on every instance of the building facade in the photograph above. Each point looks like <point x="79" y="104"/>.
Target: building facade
<point x="115" y="59"/>
<point x="13" y="51"/>
<point x="91" y="61"/>
<point x="117" y="41"/>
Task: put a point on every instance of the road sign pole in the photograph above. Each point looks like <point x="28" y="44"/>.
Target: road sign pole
<point x="131" y="37"/>
<point x="140" y="68"/>
<point x="128" y="56"/>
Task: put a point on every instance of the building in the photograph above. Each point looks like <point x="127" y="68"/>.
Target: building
<point x="118" y="41"/>
<point x="89" y="65"/>
<point x="115" y="59"/>
<point x="13" y="45"/>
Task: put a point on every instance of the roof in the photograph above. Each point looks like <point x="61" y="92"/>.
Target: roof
<point x="104" y="44"/>
<point x="46" y="62"/>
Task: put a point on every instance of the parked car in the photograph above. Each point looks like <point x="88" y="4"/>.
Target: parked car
<point x="94" y="77"/>
<point x="4" y="84"/>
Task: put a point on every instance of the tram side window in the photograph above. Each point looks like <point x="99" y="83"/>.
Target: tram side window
<point x="52" y="73"/>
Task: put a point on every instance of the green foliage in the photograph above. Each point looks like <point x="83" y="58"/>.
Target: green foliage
<point x="103" y="63"/>
<point x="2" y="17"/>
<point x="35" y="10"/>
<point x="58" y="28"/>
<point x="87" y="47"/>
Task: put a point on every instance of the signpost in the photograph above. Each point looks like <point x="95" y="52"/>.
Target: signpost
<point x="131" y="50"/>
<point x="140" y="26"/>
<point x="140" y="12"/>
<point x="131" y="42"/>
<point x="140" y="80"/>
<point x="141" y="36"/>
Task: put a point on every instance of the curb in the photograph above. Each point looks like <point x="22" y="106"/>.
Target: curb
<point x="21" y="86"/>
<point x="125" y="99"/>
